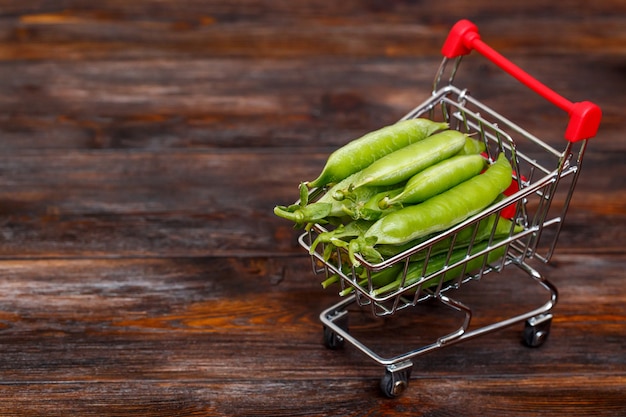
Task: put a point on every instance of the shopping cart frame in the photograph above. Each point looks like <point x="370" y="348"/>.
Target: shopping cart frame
<point x="540" y="172"/>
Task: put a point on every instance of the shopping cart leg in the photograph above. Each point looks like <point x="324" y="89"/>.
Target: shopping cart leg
<point x="536" y="330"/>
<point x="333" y="340"/>
<point x="396" y="379"/>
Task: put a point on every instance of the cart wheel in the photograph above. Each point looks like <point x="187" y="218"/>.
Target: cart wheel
<point x="332" y="340"/>
<point x="393" y="384"/>
<point x="536" y="330"/>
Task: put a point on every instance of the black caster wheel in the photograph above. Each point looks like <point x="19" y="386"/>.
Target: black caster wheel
<point x="536" y="330"/>
<point x="332" y="340"/>
<point x="394" y="383"/>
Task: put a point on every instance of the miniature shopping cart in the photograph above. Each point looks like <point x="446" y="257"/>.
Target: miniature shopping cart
<point x="540" y="173"/>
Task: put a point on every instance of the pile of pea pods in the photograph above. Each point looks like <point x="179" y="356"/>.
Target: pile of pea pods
<point x="397" y="186"/>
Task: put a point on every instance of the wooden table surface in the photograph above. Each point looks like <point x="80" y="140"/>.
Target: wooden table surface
<point x="144" y="144"/>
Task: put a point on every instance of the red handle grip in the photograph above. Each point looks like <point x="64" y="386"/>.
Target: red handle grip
<point x="584" y="116"/>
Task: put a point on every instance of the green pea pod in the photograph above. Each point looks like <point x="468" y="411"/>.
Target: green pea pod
<point x="439" y="212"/>
<point x="361" y="152"/>
<point x="437" y="179"/>
<point x="478" y="233"/>
<point x="473" y="147"/>
<point x="402" y="164"/>
<point x="415" y="271"/>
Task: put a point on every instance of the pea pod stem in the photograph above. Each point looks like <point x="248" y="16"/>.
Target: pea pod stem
<point x="371" y="209"/>
<point x="333" y="279"/>
<point x="343" y="232"/>
<point x="326" y="206"/>
<point x="311" y="213"/>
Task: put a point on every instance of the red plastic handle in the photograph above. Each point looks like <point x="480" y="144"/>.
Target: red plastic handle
<point x="584" y="116"/>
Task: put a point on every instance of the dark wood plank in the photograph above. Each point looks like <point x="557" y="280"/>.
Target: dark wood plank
<point x="320" y="75"/>
<point x="213" y="203"/>
<point x="600" y="396"/>
<point x="255" y="28"/>
<point x="169" y="333"/>
<point x="227" y="103"/>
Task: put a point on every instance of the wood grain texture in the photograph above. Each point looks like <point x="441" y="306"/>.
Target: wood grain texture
<point x="195" y="203"/>
<point x="144" y="144"/>
<point x="231" y="336"/>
